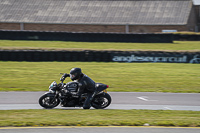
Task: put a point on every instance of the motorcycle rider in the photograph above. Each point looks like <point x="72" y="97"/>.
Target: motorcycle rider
<point x="86" y="85"/>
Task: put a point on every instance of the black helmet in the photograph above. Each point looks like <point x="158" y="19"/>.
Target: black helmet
<point x="75" y="73"/>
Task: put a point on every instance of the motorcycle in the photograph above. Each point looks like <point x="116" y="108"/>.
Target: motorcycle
<point x="65" y="95"/>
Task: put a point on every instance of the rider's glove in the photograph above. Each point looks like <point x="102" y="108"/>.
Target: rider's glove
<point x="64" y="76"/>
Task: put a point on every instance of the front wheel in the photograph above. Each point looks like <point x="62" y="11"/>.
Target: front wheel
<point x="101" y="101"/>
<point x="48" y="102"/>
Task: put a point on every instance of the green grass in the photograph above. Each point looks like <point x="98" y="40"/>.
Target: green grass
<point x="99" y="118"/>
<point x="131" y="77"/>
<point x="60" y="45"/>
<point x="186" y="33"/>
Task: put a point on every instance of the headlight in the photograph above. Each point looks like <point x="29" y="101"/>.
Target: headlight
<point x="53" y="84"/>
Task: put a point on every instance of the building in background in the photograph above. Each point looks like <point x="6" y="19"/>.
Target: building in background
<point x="100" y="16"/>
<point x="197" y="11"/>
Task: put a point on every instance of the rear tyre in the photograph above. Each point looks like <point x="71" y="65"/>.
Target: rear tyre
<point x="48" y="102"/>
<point x="101" y="101"/>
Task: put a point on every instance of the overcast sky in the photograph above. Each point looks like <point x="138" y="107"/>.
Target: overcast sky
<point x="196" y="2"/>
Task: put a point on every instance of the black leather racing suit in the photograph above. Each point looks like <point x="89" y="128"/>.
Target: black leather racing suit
<point x="86" y="85"/>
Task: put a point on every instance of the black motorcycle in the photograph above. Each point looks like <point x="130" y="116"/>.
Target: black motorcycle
<point x="65" y="95"/>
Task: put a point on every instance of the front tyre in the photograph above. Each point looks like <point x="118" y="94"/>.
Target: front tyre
<point x="101" y="101"/>
<point x="48" y="102"/>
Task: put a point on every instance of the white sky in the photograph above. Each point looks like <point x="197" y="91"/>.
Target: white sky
<point x="196" y="2"/>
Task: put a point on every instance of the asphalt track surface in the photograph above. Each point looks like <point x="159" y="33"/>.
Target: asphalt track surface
<point x="120" y="100"/>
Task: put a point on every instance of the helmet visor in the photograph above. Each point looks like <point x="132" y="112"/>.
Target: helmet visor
<point x="72" y="76"/>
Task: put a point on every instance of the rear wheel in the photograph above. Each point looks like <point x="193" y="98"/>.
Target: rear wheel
<point x="101" y="101"/>
<point x="48" y="101"/>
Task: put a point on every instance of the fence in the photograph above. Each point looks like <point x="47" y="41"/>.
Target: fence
<point x="100" y="56"/>
<point x="86" y="37"/>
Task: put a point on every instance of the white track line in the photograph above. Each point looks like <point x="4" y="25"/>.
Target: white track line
<point x="143" y="98"/>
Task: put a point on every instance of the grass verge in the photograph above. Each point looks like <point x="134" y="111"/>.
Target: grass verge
<point x="60" y="45"/>
<point x="99" y="118"/>
<point x="129" y="77"/>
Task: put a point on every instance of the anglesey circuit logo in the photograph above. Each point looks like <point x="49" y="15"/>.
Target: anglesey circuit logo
<point x="170" y="59"/>
<point x="134" y="58"/>
<point x="196" y="59"/>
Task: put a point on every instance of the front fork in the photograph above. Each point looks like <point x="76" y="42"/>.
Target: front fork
<point x="52" y="96"/>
